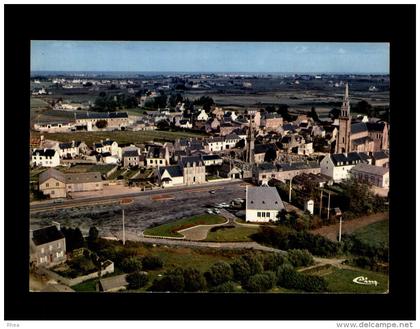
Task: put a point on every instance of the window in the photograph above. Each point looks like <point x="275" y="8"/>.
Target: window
<point x="263" y="214"/>
<point x="57" y="184"/>
<point x="47" y="185"/>
<point x="97" y="185"/>
<point x="267" y="214"/>
<point x="258" y="214"/>
<point x="52" y="192"/>
<point x="160" y="161"/>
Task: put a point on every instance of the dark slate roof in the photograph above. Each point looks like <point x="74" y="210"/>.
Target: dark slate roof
<point x="375" y="126"/>
<point x="190" y="160"/>
<point x="64" y="146"/>
<point x="96" y="115"/>
<point x="130" y="154"/>
<point x="380" y="155"/>
<point x="98" y="145"/>
<point x="272" y="116"/>
<point x="263" y="198"/>
<point x="174" y="171"/>
<point x="262" y="148"/>
<point x="44" y="152"/>
<point x="358" y="127"/>
<point x="288" y="126"/>
<point x="106" y="154"/>
<point x="364" y="156"/>
<point x="211" y="157"/>
<point x="287" y="166"/>
<point x="352" y="158"/>
<point x="183" y="122"/>
<point x="46" y="234"/>
<point x="108" y="142"/>
<point x="156" y="152"/>
<point x="232" y="136"/>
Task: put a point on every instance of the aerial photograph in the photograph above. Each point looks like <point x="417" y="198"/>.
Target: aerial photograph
<point x="209" y="167"/>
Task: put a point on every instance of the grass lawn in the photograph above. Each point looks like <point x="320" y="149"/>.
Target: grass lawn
<point x="234" y="234"/>
<point x="89" y="285"/>
<point x="170" y="229"/>
<point x="136" y="137"/>
<point x="375" y="234"/>
<point x="341" y="281"/>
<point x="38" y="103"/>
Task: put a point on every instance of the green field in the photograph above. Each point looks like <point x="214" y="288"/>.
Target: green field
<point x="235" y="234"/>
<point x="171" y="229"/>
<point x="376" y="234"/>
<point x="38" y="103"/>
<point x="341" y="281"/>
<point x="121" y="137"/>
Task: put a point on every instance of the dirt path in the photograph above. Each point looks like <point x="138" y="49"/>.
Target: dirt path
<point x="350" y="226"/>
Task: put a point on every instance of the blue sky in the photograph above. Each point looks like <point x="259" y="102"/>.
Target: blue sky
<point x="209" y="56"/>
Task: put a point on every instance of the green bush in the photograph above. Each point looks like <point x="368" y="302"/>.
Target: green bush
<point x="255" y="262"/>
<point x="131" y="264"/>
<point x="193" y="280"/>
<point x="172" y="280"/>
<point x="137" y="280"/>
<point x="152" y="262"/>
<point x="300" y="257"/>
<point x="273" y="260"/>
<point x="228" y="286"/>
<point x="219" y="273"/>
<point x="241" y="270"/>
<point x="261" y="282"/>
<point x="288" y="277"/>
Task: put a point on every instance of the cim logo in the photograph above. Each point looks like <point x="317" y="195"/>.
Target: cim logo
<point x="364" y="280"/>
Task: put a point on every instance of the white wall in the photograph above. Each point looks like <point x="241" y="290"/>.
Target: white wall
<point x="252" y="215"/>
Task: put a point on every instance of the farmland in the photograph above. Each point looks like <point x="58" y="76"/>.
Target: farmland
<point x="121" y="137"/>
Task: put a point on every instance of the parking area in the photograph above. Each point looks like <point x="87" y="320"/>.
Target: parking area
<point x="143" y="212"/>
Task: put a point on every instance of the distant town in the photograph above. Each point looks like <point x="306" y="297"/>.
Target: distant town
<point x="209" y="182"/>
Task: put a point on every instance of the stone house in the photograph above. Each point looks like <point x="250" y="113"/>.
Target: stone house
<point x="338" y="166"/>
<point x="47" y="246"/>
<point x="53" y="183"/>
<point x="157" y="157"/>
<point x="283" y="171"/>
<point x="377" y="176"/>
<point x="193" y="169"/>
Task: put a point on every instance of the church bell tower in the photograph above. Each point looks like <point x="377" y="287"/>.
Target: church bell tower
<point x="342" y="144"/>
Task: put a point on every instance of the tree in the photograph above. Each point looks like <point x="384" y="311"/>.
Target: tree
<point x="240" y="144"/>
<point x="300" y="257"/>
<point x="131" y="264"/>
<point x="270" y="155"/>
<point x="362" y="107"/>
<point x="313" y="114"/>
<point x="93" y="233"/>
<point x="205" y="101"/>
<point x="163" y="125"/>
<point x="228" y="286"/>
<point x="261" y="282"/>
<point x="273" y="260"/>
<point x="334" y="113"/>
<point x="360" y="198"/>
<point x="193" y="280"/>
<point x="137" y="280"/>
<point x="152" y="262"/>
<point x="172" y="280"/>
<point x="74" y="238"/>
<point x="284" y="112"/>
<point x="241" y="270"/>
<point x="255" y="263"/>
<point x="219" y="273"/>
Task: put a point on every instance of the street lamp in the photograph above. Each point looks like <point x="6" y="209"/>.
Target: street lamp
<point x="122" y="203"/>
<point x="338" y="213"/>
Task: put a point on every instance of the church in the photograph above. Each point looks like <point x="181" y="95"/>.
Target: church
<point x="361" y="136"/>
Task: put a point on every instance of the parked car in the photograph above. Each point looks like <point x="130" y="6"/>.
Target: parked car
<point x="209" y="211"/>
<point x="212" y="192"/>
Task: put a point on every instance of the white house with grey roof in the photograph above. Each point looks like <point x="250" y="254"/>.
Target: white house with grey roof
<point x="170" y="176"/>
<point x="338" y="166"/>
<point x="263" y="204"/>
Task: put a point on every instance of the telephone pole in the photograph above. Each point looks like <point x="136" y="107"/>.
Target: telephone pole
<point x="339" y="230"/>
<point x="123" y="227"/>
<point x="328" y="209"/>
<point x="290" y="190"/>
<point x="320" y="205"/>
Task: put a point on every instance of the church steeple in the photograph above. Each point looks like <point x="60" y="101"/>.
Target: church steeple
<point x="345" y="108"/>
<point x="344" y="129"/>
